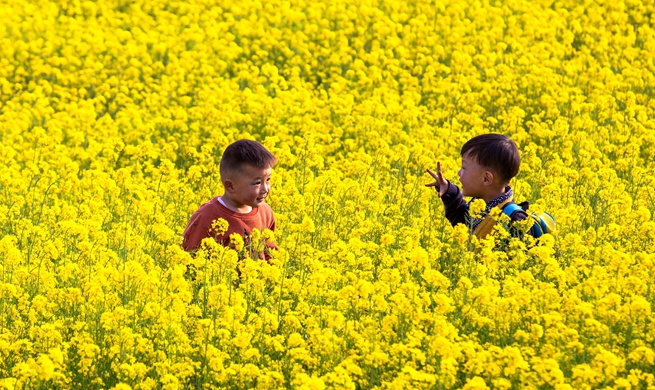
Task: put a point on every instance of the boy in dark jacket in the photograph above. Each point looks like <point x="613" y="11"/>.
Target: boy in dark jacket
<point x="489" y="162"/>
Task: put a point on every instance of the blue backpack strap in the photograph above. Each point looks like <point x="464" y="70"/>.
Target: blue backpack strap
<point x="537" y="228"/>
<point x="511" y="208"/>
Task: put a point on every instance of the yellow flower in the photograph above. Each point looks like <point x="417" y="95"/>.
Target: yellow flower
<point x="477" y="208"/>
<point x="236" y="241"/>
<point x="306" y="382"/>
<point x="46" y="367"/>
<point x="220" y="226"/>
<point x="386" y="239"/>
<point x="476" y="383"/>
<point x="268" y="235"/>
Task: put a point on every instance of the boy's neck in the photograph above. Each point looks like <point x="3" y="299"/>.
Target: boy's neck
<point x="229" y="203"/>
<point x="494" y="193"/>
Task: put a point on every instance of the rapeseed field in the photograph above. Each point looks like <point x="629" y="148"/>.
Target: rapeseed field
<point x="113" y="118"/>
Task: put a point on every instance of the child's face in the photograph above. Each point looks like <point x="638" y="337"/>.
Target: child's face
<point x="471" y="175"/>
<point x="250" y="187"/>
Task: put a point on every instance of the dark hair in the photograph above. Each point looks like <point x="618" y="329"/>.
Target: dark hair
<point x="246" y="152"/>
<point x="496" y="152"/>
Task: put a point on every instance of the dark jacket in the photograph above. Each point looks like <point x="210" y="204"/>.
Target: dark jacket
<point x="457" y="209"/>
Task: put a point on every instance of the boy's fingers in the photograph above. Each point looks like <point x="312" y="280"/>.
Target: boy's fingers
<point x="439" y="180"/>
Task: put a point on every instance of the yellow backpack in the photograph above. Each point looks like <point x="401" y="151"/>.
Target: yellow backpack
<point x="543" y="223"/>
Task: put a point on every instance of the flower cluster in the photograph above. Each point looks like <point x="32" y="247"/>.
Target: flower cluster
<point x="113" y="118"/>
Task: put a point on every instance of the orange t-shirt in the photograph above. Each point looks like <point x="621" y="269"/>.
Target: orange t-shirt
<point x="200" y="223"/>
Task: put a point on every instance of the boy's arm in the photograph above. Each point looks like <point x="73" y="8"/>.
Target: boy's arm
<point x="453" y="201"/>
<point x="271" y="227"/>
<point x="196" y="230"/>
<point x="455" y="205"/>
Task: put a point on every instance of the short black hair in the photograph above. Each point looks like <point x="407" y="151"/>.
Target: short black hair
<point x="496" y="152"/>
<point x="246" y="152"/>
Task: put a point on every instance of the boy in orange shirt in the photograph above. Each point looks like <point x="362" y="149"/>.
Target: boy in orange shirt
<point x="246" y="176"/>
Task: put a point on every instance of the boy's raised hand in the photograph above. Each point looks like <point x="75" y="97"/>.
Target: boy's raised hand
<point x="440" y="182"/>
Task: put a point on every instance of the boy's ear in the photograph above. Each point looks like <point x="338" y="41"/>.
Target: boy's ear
<point x="228" y="185"/>
<point x="488" y="178"/>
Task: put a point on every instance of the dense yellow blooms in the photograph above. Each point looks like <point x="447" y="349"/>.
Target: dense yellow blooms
<point x="113" y="116"/>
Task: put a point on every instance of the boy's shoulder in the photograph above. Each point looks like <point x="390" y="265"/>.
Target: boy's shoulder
<point x="204" y="214"/>
<point x="265" y="207"/>
<point x="264" y="214"/>
<point x="209" y="207"/>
